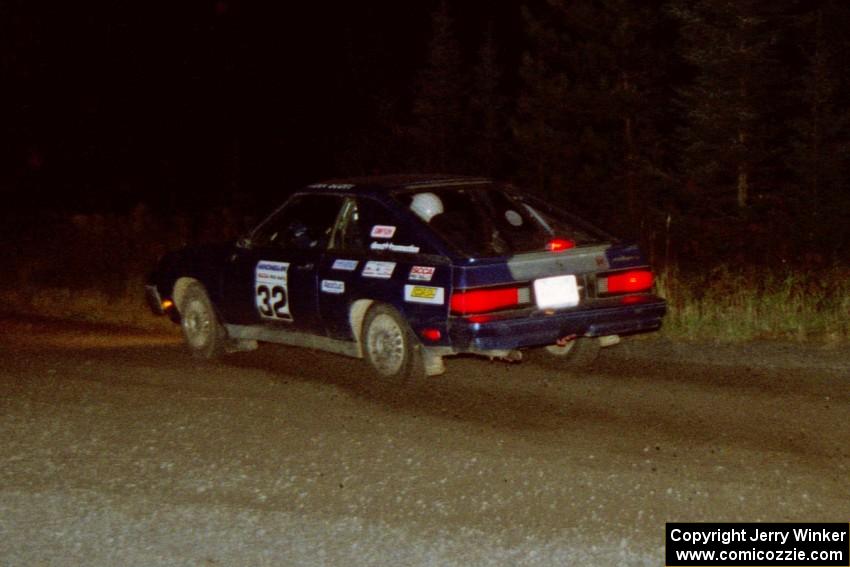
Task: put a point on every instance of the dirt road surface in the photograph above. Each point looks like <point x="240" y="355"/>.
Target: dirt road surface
<point x="116" y="448"/>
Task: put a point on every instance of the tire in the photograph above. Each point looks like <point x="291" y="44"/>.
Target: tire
<point x="578" y="354"/>
<point x="389" y="346"/>
<point x="204" y="335"/>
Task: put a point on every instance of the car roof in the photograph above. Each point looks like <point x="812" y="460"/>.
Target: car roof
<point x="386" y="183"/>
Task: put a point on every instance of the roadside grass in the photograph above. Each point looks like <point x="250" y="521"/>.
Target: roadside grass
<point x="128" y="309"/>
<point x="719" y="306"/>
<point x="725" y="305"/>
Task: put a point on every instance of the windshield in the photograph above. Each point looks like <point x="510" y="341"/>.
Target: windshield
<point x="482" y="220"/>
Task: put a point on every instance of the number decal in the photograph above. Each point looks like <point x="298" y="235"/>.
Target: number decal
<point x="271" y="290"/>
<point x="280" y="306"/>
<point x="263" y="301"/>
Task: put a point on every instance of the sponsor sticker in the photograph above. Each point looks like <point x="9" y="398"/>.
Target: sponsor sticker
<point x="382" y="270"/>
<point x="421" y="273"/>
<point x="407" y="248"/>
<point x="346" y="265"/>
<point x="271" y="289"/>
<point x="424" y="294"/>
<point x="341" y="186"/>
<point x="333" y="286"/>
<point x="382" y="231"/>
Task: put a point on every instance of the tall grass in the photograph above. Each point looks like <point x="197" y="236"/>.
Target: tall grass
<point x="728" y="305"/>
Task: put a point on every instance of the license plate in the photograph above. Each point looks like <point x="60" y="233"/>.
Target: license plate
<point x="555" y="292"/>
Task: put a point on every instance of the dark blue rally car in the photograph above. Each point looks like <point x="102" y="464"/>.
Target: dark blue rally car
<point x="405" y="270"/>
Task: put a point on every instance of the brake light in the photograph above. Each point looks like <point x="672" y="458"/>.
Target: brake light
<point x="559" y="244"/>
<point x="630" y="282"/>
<point x="431" y="334"/>
<point x="484" y="300"/>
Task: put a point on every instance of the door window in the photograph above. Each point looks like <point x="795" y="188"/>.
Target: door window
<point x="304" y="223"/>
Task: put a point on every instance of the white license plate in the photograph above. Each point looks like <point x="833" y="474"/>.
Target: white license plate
<point x="555" y="292"/>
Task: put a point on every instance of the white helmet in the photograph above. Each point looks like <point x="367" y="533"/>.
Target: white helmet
<point x="426" y="205"/>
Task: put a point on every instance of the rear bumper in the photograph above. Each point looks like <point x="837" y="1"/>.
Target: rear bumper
<point x="642" y="314"/>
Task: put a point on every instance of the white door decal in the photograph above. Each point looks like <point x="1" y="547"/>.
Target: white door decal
<point x="272" y="291"/>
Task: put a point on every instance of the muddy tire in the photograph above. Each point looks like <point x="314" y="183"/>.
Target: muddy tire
<point x="204" y="335"/>
<point x="390" y="348"/>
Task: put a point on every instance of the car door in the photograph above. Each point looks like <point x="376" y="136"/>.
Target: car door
<point x="272" y="280"/>
<point x="371" y="255"/>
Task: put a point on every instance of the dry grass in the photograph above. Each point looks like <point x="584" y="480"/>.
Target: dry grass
<point x="129" y="310"/>
<point x="721" y="306"/>
<point x="731" y="306"/>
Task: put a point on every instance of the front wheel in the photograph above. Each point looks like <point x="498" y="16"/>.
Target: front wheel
<point x="389" y="346"/>
<point x="205" y="337"/>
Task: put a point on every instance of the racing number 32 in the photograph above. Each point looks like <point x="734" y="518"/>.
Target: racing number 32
<point x="270" y="285"/>
<point x="272" y="302"/>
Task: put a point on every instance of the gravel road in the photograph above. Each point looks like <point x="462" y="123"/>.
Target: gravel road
<point x="116" y="448"/>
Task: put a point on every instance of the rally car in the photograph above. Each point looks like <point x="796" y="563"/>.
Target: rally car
<point x="406" y="270"/>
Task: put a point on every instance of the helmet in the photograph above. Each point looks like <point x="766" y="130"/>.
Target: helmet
<point x="426" y="205"/>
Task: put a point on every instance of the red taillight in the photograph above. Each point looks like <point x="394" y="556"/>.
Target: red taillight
<point x="559" y="244"/>
<point x="630" y="282"/>
<point x="483" y="300"/>
<point x="431" y="334"/>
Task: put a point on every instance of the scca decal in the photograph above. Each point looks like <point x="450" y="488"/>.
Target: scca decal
<point x="424" y="294"/>
<point x="421" y="273"/>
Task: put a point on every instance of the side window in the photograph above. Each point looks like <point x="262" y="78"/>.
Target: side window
<point x="382" y="231"/>
<point x="347" y="235"/>
<point x="304" y="223"/>
<point x="461" y="217"/>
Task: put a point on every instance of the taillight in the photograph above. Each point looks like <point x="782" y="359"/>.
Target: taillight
<point x="431" y="334"/>
<point x="484" y="300"/>
<point x="632" y="281"/>
<point x="559" y="244"/>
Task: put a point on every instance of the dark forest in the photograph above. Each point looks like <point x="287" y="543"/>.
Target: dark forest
<point x="713" y="131"/>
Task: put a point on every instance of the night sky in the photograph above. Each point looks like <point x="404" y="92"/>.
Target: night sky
<point x="697" y="126"/>
<point x="177" y="103"/>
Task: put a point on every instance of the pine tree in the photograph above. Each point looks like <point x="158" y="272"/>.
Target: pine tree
<point x="731" y="104"/>
<point x="438" y="106"/>
<point x="821" y="151"/>
<point x="590" y="111"/>
<point x="543" y="127"/>
<point x="489" y="109"/>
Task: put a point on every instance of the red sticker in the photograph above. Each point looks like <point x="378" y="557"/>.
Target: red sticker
<point x="383" y="231"/>
<point x="421" y="273"/>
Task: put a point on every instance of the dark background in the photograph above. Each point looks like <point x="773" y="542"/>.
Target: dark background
<point x="712" y="131"/>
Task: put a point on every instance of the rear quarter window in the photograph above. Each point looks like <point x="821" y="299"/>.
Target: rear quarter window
<point x="485" y="221"/>
<point x="383" y="231"/>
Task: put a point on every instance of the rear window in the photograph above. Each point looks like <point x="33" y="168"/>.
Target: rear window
<point x="482" y="220"/>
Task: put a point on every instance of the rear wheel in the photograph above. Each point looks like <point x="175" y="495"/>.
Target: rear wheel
<point x="578" y="354"/>
<point x="389" y="346"/>
<point x="205" y="337"/>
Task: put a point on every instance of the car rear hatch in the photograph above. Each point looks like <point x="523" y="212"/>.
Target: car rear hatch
<point x="597" y="275"/>
<point x="525" y="271"/>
